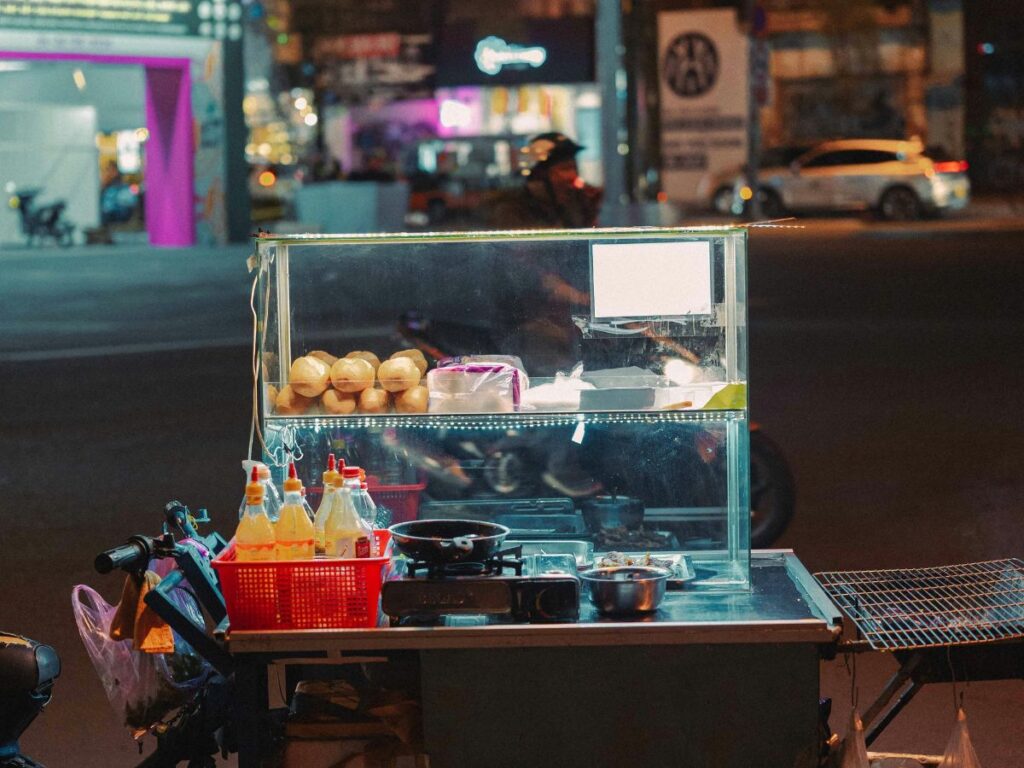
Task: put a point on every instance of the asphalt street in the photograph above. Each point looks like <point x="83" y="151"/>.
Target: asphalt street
<point x="885" y="361"/>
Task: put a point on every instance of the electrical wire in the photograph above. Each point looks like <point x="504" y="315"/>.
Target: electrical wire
<point x="254" y="427"/>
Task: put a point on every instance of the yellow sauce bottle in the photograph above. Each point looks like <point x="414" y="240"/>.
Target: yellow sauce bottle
<point x="293" y="531"/>
<point x="331" y="478"/>
<point x="254" y="537"/>
<point x="345" y="528"/>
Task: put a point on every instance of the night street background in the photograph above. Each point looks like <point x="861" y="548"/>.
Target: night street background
<point x="885" y="361"/>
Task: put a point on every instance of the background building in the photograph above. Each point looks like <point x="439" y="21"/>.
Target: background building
<point x="73" y="73"/>
<point x="820" y="69"/>
<point x="397" y="90"/>
<point x="995" y="93"/>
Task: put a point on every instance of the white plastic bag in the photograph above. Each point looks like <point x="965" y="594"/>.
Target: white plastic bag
<point x="959" y="751"/>
<point x="142" y="688"/>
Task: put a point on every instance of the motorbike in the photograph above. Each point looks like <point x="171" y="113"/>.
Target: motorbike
<point x="28" y="671"/>
<point x="190" y="719"/>
<point x="42" y="222"/>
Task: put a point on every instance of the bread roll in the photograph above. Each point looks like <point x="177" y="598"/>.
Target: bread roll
<point x="325" y="357"/>
<point x="351" y="374"/>
<point x="339" y="403"/>
<point x="291" y="403"/>
<point x="369" y="357"/>
<point x="416" y="356"/>
<point x="412" y="400"/>
<point x="398" y="374"/>
<point x="374" y="401"/>
<point x="308" y="376"/>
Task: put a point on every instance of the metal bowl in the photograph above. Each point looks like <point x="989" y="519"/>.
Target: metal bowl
<point x="627" y="589"/>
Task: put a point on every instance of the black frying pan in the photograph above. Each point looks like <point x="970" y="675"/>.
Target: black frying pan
<point x="448" y="541"/>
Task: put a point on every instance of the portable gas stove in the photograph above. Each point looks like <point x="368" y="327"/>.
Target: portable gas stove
<point x="505" y="588"/>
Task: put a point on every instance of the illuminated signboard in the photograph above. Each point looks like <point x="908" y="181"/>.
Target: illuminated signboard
<point x="219" y="19"/>
<point x="530" y="51"/>
<point x="493" y="53"/>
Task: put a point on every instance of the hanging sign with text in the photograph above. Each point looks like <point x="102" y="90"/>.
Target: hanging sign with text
<point x="702" y="71"/>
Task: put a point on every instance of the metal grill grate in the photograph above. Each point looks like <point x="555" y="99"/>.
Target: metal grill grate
<point x="926" y="607"/>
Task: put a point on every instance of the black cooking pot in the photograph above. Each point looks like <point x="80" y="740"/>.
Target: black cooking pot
<point x="448" y="541"/>
<point x="603" y="512"/>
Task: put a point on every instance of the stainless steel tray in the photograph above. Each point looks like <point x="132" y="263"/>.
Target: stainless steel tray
<point x="681" y="568"/>
<point x="583" y="551"/>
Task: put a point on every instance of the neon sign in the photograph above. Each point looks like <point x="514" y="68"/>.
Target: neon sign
<point x="493" y="53"/>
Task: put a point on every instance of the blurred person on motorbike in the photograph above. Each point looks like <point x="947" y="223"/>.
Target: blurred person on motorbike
<point x="553" y="195"/>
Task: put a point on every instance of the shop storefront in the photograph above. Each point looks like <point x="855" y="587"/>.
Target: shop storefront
<point x="449" y="110"/>
<point x="184" y="62"/>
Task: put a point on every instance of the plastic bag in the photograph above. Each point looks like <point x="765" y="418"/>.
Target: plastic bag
<point x="474" y="388"/>
<point x="854" y="752"/>
<point x="513" y="360"/>
<point x="563" y="393"/>
<point x="142" y="688"/>
<point x="959" y="751"/>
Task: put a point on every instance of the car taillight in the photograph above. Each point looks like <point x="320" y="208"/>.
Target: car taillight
<point x="951" y="166"/>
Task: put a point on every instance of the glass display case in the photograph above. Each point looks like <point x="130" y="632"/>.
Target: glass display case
<point x="575" y="386"/>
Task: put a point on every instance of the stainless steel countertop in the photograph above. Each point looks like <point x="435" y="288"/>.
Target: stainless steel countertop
<point x="784" y="605"/>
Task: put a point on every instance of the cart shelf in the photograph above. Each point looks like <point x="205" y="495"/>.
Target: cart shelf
<point x="505" y="420"/>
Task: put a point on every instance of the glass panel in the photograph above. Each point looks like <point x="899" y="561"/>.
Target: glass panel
<point x="546" y="405"/>
<point x="683" y="472"/>
<point x="525" y="303"/>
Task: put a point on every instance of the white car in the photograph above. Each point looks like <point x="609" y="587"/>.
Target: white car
<point x="718" y="191"/>
<point x="898" y="179"/>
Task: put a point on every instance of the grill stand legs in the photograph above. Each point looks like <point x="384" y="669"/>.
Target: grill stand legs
<point x="895" y="684"/>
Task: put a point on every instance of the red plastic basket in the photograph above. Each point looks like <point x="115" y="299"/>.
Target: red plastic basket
<point x="402" y="500"/>
<point x="325" y="593"/>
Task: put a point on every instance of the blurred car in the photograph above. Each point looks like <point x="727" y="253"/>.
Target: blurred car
<point x="718" y="191"/>
<point x="439" y="198"/>
<point x="899" y="180"/>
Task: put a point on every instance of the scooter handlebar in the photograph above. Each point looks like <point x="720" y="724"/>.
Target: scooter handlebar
<point x="135" y="553"/>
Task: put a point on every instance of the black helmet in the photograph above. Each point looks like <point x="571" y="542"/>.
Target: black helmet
<point x="546" y="149"/>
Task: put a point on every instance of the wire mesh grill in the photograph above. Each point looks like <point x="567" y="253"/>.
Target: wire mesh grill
<point x="927" y="607"/>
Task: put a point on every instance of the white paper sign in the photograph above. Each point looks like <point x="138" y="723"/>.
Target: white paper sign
<point x="651" y="279"/>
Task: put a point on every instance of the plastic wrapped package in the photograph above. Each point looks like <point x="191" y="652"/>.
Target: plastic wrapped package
<point x="474" y="388"/>
<point x="141" y="687"/>
<point x="960" y="751"/>
<point x="561" y="394"/>
<point x="515" y="362"/>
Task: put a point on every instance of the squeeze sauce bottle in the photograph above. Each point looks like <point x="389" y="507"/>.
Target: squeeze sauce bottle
<point x="293" y="531"/>
<point x="346" y="534"/>
<point x="254" y="537"/>
<point x="271" y="498"/>
<point x="351" y="478"/>
<point x="369" y="512"/>
<point x="329" y="497"/>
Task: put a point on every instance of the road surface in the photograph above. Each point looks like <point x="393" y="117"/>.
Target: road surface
<point x="886" y="361"/>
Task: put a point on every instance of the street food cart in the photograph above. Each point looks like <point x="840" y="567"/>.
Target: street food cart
<point x="587" y="391"/>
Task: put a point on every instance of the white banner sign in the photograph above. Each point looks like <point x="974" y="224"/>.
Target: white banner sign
<point x="703" y="70"/>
